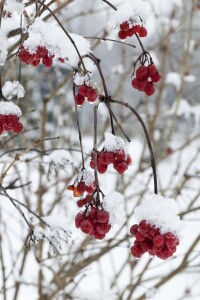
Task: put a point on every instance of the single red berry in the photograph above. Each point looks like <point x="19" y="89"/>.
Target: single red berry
<point x="128" y="160"/>
<point x="86" y="226"/>
<point x="81" y="188"/>
<point x="102" y="228"/>
<point x="166" y="253"/>
<point x="136" y="29"/>
<point x="101" y="168"/>
<point x="109" y="157"/>
<point x="41" y="52"/>
<point x="150" y="89"/>
<point x="122" y="35"/>
<point x="102" y="216"/>
<point x="18" y="127"/>
<point x="142" y="32"/>
<point x="80" y="203"/>
<point x="135" y="83"/>
<point x="136" y="251"/>
<point x="142" y="85"/>
<point x="35" y="62"/>
<point x="90" y="189"/>
<point x="92" y="95"/>
<point x="141" y="72"/>
<point x="134" y="229"/>
<point x="156" y="77"/>
<point x="99" y="236"/>
<point x="102" y="158"/>
<point x="151" y="69"/>
<point x="7" y="127"/>
<point x="156" y="249"/>
<point x="120" y="167"/>
<point x="25" y="56"/>
<point x="158" y="240"/>
<point x="11" y="119"/>
<point x="92" y="164"/>
<point x="120" y="155"/>
<point x="124" y="26"/>
<point x="139" y="236"/>
<point x="47" y="61"/>
<point x="130" y="32"/>
<point x="79" y="99"/>
<point x="83" y="90"/>
<point x="2" y="119"/>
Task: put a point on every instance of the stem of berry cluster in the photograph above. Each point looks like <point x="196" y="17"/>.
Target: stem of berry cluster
<point x="67" y="34"/>
<point x="153" y="163"/>
<point x="79" y="130"/>
<point x="110" y="4"/>
<point x="95" y="153"/>
<point x="107" y="97"/>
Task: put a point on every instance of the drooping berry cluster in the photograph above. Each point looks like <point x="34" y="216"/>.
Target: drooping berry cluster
<point x="81" y="187"/>
<point x="118" y="159"/>
<point x="145" y="78"/>
<point x="127" y="30"/>
<point x="10" y="122"/>
<point x="85" y="91"/>
<point x="94" y="222"/>
<point x="149" y="239"/>
<point x="41" y="55"/>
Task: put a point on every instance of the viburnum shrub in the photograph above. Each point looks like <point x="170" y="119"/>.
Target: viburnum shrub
<point x="158" y="228"/>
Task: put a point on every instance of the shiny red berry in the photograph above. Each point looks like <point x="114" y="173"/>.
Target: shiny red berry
<point x="79" y="99"/>
<point x="122" y="35"/>
<point x="17" y="127"/>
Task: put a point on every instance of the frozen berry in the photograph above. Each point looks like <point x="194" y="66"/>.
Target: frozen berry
<point x="122" y="35"/>
<point x="79" y="99"/>
<point x="18" y="127"/>
<point x="124" y="26"/>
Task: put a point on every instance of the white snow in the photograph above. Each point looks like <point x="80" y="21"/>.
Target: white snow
<point x="174" y="79"/>
<point x="162" y="212"/>
<point x="14" y="6"/>
<point x="53" y="38"/>
<point x="114" y="143"/>
<point x="132" y="10"/>
<point x="113" y="204"/>
<point x="13" y="89"/>
<point x="87" y="176"/>
<point x="7" y="108"/>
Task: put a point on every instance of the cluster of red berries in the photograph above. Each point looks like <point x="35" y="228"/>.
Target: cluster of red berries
<point x="34" y="59"/>
<point x="127" y="30"/>
<point x="118" y="158"/>
<point x="146" y="76"/>
<point x="10" y="123"/>
<point x="85" y="91"/>
<point x="149" y="239"/>
<point x="94" y="222"/>
<point x="81" y="188"/>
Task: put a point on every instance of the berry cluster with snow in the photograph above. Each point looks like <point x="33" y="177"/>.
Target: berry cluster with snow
<point x="9" y="117"/>
<point x="85" y="92"/>
<point x="114" y="152"/>
<point x="159" y="228"/>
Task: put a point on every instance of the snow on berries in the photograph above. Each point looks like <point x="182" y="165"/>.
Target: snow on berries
<point x="113" y="153"/>
<point x="41" y="55"/>
<point x="113" y="203"/>
<point x="146" y="77"/>
<point x="84" y="183"/>
<point x="158" y="231"/>
<point x="9" y="117"/>
<point x="94" y="222"/>
<point x="85" y="92"/>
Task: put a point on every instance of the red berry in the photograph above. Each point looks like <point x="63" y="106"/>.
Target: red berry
<point x="122" y="35"/>
<point x="128" y="160"/>
<point x="78" y="219"/>
<point x="120" y="155"/>
<point x="2" y="119"/>
<point x="156" y="77"/>
<point x="11" y="119"/>
<point x="83" y="90"/>
<point x="35" y="62"/>
<point x="166" y="253"/>
<point x="136" y="28"/>
<point x="80" y="203"/>
<point x="25" y="56"/>
<point x="90" y="189"/>
<point x="134" y="229"/>
<point x="99" y="236"/>
<point x="150" y="89"/>
<point x="109" y="157"/>
<point x="102" y="158"/>
<point x="141" y="72"/>
<point x="81" y="188"/>
<point x="120" y="167"/>
<point x="47" y="61"/>
<point x="79" y="99"/>
<point x="141" y="85"/>
<point x="86" y="226"/>
<point x="136" y="251"/>
<point x="41" y="52"/>
<point x="102" y="216"/>
<point x="92" y="95"/>
<point x="124" y="26"/>
<point x="18" y="127"/>
<point x="101" y="168"/>
<point x="7" y="127"/>
<point x="102" y="228"/>
<point x="92" y="164"/>
<point x="130" y="32"/>
<point x="158" y="240"/>
<point x="139" y="236"/>
<point x="135" y="83"/>
<point x="151" y="69"/>
<point x="142" y="32"/>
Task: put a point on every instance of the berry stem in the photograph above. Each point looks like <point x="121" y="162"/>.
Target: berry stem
<point x="79" y="130"/>
<point x="95" y="153"/>
<point x="110" y="4"/>
<point x="153" y="163"/>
